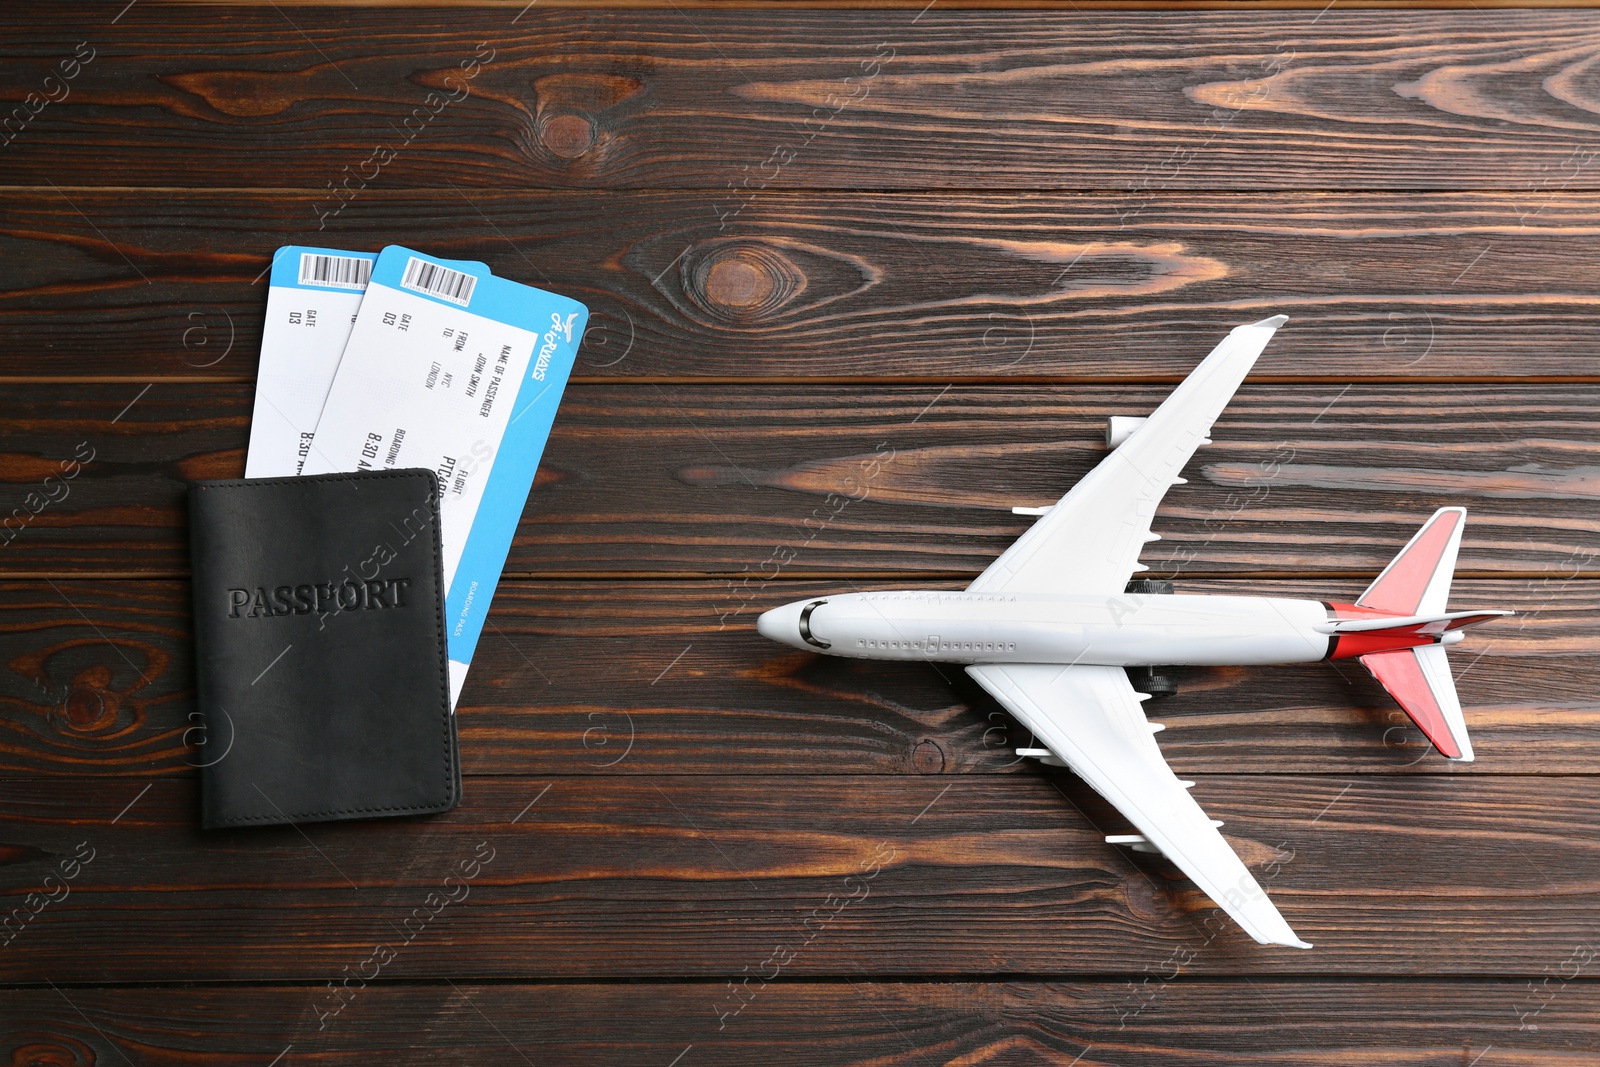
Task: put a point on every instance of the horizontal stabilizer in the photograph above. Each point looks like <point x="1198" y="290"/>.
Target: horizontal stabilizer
<point x="1419" y="679"/>
<point x="1443" y="622"/>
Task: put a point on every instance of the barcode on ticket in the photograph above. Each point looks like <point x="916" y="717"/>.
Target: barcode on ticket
<point x="338" y="272"/>
<point x="446" y="284"/>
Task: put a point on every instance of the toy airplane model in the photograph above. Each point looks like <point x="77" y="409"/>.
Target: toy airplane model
<point x="1048" y="628"/>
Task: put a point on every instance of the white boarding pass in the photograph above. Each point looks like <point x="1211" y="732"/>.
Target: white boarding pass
<point x="312" y="300"/>
<point x="451" y="368"/>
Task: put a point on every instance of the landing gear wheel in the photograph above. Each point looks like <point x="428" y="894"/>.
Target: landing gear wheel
<point x="1157" y="681"/>
<point x="1149" y="585"/>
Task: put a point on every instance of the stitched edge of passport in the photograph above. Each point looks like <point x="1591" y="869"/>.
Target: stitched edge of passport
<point x="451" y="797"/>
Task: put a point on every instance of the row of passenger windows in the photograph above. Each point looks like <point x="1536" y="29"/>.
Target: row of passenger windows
<point x="944" y="646"/>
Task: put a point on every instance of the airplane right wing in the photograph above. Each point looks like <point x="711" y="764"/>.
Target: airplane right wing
<point x="1090" y="541"/>
<point x="1090" y="717"/>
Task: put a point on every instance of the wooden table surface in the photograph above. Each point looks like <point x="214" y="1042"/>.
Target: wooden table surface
<point x="954" y="240"/>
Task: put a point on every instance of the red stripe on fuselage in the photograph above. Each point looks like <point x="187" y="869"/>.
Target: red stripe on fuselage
<point x="1346" y="646"/>
<point x="1366" y="642"/>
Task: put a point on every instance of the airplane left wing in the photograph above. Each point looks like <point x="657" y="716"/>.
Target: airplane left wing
<point x="1090" y="541"/>
<point x="1090" y="717"/>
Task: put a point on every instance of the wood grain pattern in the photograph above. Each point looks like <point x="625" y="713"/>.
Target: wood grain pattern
<point x="942" y="287"/>
<point x="861" y="281"/>
<point x="846" y="1023"/>
<point x="869" y="480"/>
<point x="637" y="678"/>
<point x="703" y="875"/>
<point x="734" y="101"/>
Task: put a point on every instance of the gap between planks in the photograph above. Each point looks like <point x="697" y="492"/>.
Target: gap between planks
<point x="853" y="979"/>
<point x="780" y="192"/>
<point x="911" y="577"/>
<point x="947" y="5"/>
<point x="890" y="382"/>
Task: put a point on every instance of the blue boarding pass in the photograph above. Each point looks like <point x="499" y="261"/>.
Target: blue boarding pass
<point x="312" y="299"/>
<point x="452" y="368"/>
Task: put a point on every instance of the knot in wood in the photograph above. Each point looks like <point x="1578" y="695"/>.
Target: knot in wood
<point x="738" y="283"/>
<point x="928" y="757"/>
<point x="86" y="707"/>
<point x="741" y="281"/>
<point x="92" y="704"/>
<point x="577" y="113"/>
<point x="52" y="1052"/>
<point x="568" y="135"/>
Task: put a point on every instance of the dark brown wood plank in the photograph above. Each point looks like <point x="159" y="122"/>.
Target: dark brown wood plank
<point x="613" y="678"/>
<point x="739" y="100"/>
<point x="1150" y="1021"/>
<point x="944" y="5"/>
<point x="863" y="481"/>
<point x="936" y="286"/>
<point x="702" y="875"/>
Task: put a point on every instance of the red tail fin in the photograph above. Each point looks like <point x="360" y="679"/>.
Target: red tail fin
<point x="1417" y="581"/>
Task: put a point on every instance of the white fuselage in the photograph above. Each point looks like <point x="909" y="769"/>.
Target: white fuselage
<point x="1123" y="630"/>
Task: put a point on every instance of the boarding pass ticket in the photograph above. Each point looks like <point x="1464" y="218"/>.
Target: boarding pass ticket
<point x="312" y="300"/>
<point x="451" y="368"/>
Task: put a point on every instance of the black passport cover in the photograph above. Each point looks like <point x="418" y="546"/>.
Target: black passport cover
<point x="320" y="648"/>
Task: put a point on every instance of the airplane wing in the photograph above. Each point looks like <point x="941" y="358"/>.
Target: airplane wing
<point x="1090" y="541"/>
<point x="1090" y="717"/>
